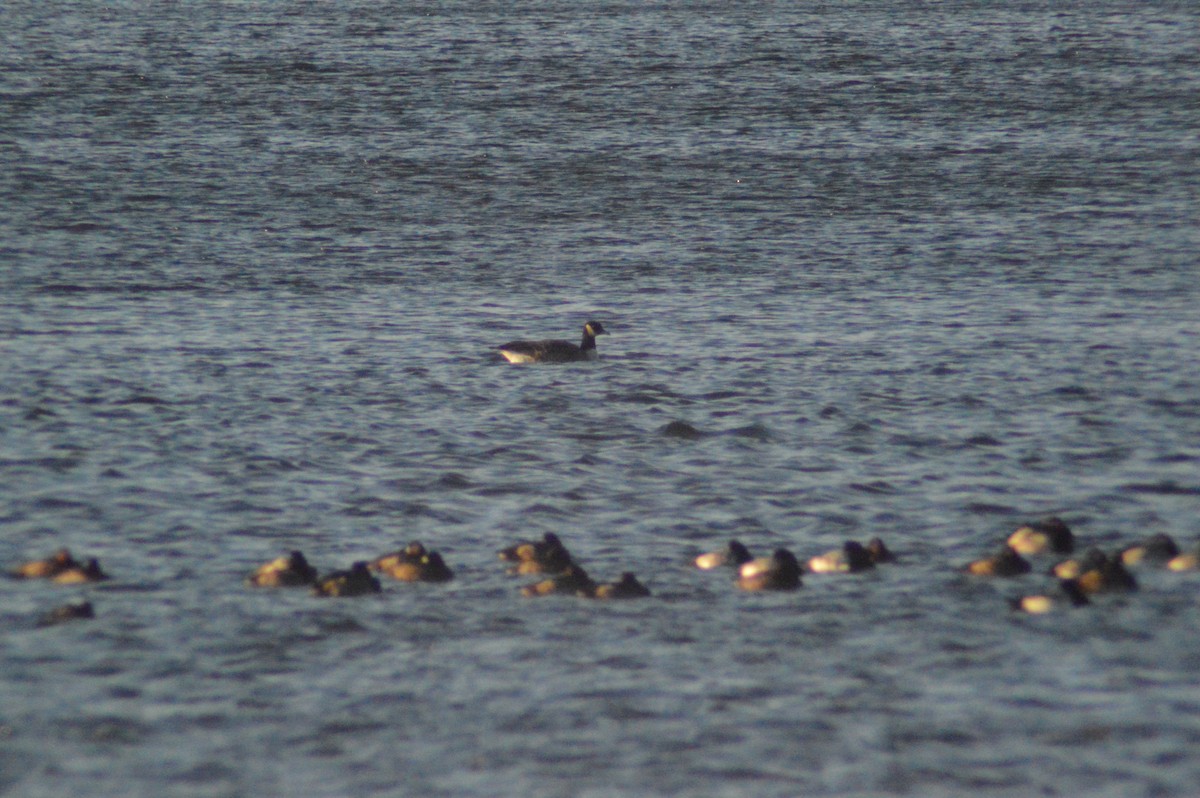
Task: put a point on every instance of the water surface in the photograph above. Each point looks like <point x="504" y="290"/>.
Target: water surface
<point x="915" y="273"/>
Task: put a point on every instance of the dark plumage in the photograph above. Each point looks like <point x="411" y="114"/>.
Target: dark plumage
<point x="850" y="558"/>
<point x="554" y="350"/>
<point x="626" y="587"/>
<point x="1092" y="559"/>
<point x="1005" y="562"/>
<point x="545" y="556"/>
<point x="1187" y="561"/>
<point x="1110" y="576"/>
<point x="734" y="554"/>
<point x="574" y="581"/>
<point x="292" y="570"/>
<point x="414" y="552"/>
<point x="1158" y="549"/>
<point x="355" y="582"/>
<point x="429" y="568"/>
<point x="81" y="574"/>
<point x="46" y="568"/>
<point x="879" y="552"/>
<point x="1039" y="537"/>
<point x="68" y="612"/>
<point x="1042" y="603"/>
<point x="780" y="571"/>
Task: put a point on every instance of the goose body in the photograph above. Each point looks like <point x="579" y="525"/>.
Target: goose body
<point x="1071" y="594"/>
<point x="357" y="581"/>
<point x="1158" y="549"/>
<point x="1039" y="537"/>
<point x="626" y="587"/>
<point x="1188" y="561"/>
<point x="546" y="556"/>
<point x="734" y="554"/>
<point x="573" y="581"/>
<point x="879" y="552"/>
<point x="554" y="350"/>
<point x="1109" y="577"/>
<point x="780" y="571"/>
<point x="291" y="570"/>
<point x="68" y="612"/>
<point x="412" y="554"/>
<point x="1092" y="559"/>
<point x="81" y="574"/>
<point x="430" y="568"/>
<point x="852" y="557"/>
<point x="46" y="568"/>
<point x="1006" y="562"/>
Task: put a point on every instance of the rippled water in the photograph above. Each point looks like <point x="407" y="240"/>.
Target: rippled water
<point x="921" y="273"/>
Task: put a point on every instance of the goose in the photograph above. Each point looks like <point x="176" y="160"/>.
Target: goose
<point x="626" y="587"/>
<point x="1159" y="549"/>
<point x="574" y="580"/>
<point x="81" y="574"/>
<point x="1039" y="537"/>
<point x="68" y="612"/>
<point x="554" y="350"/>
<point x="291" y="570"/>
<point x="879" y="552"/>
<point x="355" y="582"/>
<point x="1041" y="604"/>
<point x="1091" y="560"/>
<point x="413" y="553"/>
<point x="547" y="556"/>
<point x="1006" y="562"/>
<point x="1110" y="576"/>
<point x="852" y="557"/>
<point x="46" y="568"/>
<point x="780" y="571"/>
<point x="429" y="568"/>
<point x="1188" y="561"/>
<point x="734" y="554"/>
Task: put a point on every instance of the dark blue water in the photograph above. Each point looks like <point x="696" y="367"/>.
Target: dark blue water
<point x="915" y="272"/>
